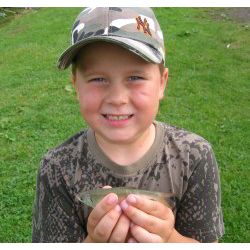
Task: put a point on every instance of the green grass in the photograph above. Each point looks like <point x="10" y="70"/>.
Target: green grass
<point x="208" y="94"/>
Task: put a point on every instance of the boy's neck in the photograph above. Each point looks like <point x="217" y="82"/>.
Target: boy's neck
<point x="119" y="153"/>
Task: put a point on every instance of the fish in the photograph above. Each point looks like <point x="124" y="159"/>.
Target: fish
<point x="92" y="197"/>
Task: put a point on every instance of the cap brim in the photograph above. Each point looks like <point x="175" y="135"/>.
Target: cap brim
<point x="144" y="51"/>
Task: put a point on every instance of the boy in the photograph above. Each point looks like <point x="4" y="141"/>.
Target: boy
<point x="117" y="58"/>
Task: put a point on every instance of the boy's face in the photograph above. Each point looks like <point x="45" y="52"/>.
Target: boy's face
<point x="119" y="92"/>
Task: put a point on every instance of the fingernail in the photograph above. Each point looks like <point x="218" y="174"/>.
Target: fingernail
<point x="112" y="199"/>
<point x="131" y="240"/>
<point x="131" y="198"/>
<point x="124" y="205"/>
<point x="118" y="208"/>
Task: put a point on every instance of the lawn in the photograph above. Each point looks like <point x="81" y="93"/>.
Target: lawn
<point x="208" y="93"/>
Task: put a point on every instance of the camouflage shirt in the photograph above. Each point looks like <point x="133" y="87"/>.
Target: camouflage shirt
<point x="178" y="161"/>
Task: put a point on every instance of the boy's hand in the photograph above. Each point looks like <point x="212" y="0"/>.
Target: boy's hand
<point x="106" y="223"/>
<point x="151" y="220"/>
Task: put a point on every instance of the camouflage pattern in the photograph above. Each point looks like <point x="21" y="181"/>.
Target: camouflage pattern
<point x="179" y="162"/>
<point x="136" y="29"/>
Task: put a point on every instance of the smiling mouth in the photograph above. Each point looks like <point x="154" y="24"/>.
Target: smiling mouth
<point x="117" y="117"/>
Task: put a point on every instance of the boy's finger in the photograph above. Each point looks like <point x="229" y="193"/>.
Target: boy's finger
<point x="150" y="223"/>
<point x="102" y="207"/>
<point x="142" y="235"/>
<point x="120" y="231"/>
<point x="104" y="228"/>
<point x="152" y="207"/>
<point x="132" y="240"/>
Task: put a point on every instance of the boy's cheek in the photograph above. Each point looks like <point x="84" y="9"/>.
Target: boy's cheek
<point x="89" y="98"/>
<point x="147" y="94"/>
<point x="87" y="105"/>
<point x="143" y="98"/>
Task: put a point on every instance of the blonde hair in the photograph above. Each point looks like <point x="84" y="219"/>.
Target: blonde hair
<point x="75" y="64"/>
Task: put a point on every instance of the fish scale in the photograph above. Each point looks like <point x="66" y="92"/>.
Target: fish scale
<point x="92" y="197"/>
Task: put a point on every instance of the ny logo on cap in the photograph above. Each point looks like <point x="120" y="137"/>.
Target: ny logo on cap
<point x="144" y="24"/>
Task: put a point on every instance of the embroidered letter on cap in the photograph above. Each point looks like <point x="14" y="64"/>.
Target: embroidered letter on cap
<point x="144" y="24"/>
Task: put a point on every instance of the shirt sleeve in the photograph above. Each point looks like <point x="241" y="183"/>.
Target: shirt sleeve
<point x="199" y="215"/>
<point x="55" y="214"/>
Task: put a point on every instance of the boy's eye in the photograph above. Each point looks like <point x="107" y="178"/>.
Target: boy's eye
<point x="135" y="78"/>
<point x="98" y="79"/>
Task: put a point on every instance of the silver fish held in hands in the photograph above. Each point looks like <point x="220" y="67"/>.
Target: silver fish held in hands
<point x="92" y="197"/>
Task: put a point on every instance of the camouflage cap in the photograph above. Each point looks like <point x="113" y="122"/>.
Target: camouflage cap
<point x="135" y="29"/>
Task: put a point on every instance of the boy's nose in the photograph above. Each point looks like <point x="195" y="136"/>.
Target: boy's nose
<point x="117" y="94"/>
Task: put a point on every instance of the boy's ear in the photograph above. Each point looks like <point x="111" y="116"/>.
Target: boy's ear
<point x="73" y="80"/>
<point x="164" y="82"/>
